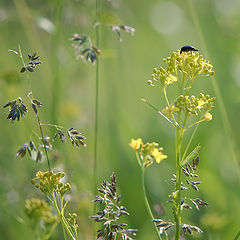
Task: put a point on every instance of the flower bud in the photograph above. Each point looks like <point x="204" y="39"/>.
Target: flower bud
<point x="208" y="116"/>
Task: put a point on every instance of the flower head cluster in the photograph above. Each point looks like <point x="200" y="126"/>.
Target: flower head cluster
<point x="147" y="152"/>
<point x="84" y="48"/>
<point x="72" y="222"/>
<point x="49" y="181"/>
<point x="76" y="137"/>
<point x="50" y="184"/>
<point x="34" y="61"/>
<point x="17" y="109"/>
<point x="111" y="213"/>
<point x="191" y="105"/>
<point x="190" y="64"/>
<point x="38" y="210"/>
<point x="35" y="154"/>
<point x="163" y="76"/>
<point x="125" y="28"/>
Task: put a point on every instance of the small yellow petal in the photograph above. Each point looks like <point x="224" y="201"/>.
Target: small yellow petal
<point x="200" y="104"/>
<point x="208" y="116"/>
<point x="170" y="79"/>
<point x="135" y="144"/>
<point x="158" y="155"/>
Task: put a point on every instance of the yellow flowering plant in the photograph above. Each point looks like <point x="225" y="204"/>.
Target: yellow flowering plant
<point x="41" y="218"/>
<point x="184" y="111"/>
<point x="147" y="153"/>
<point x="51" y="185"/>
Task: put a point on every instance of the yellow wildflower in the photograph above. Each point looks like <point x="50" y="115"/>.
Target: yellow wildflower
<point x="168" y="111"/>
<point x="158" y="155"/>
<point x="135" y="144"/>
<point x="200" y="104"/>
<point x="170" y="79"/>
<point x="208" y="116"/>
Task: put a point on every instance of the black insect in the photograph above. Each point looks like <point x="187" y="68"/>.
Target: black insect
<point x="188" y="49"/>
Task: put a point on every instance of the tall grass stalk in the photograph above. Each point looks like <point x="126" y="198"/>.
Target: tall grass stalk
<point x="45" y="147"/>
<point x="96" y="104"/>
<point x="56" y="85"/>
<point x="179" y="131"/>
<point x="223" y="112"/>
<point x="38" y="118"/>
<point x="146" y="200"/>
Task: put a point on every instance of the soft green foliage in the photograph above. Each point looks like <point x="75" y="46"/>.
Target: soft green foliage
<point x="67" y="90"/>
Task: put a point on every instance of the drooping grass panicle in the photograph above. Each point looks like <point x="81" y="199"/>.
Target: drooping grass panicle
<point x="111" y="211"/>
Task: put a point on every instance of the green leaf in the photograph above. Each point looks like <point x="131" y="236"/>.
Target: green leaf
<point x="159" y="112"/>
<point x="237" y="236"/>
<point x="190" y="155"/>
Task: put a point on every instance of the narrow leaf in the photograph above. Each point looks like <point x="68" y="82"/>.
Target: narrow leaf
<point x="190" y="155"/>
<point x="159" y="112"/>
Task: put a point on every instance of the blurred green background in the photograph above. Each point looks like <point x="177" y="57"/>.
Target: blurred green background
<point x="66" y="87"/>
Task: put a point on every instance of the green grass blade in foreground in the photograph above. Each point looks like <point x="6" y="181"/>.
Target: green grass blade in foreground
<point x="96" y="106"/>
<point x="237" y="236"/>
<point x="223" y="112"/>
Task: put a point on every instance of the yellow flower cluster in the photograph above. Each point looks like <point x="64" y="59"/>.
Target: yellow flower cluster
<point x="163" y="76"/>
<point x="72" y="220"/>
<point x="170" y="110"/>
<point x="39" y="210"/>
<point x="147" y="152"/>
<point x="191" y="105"/>
<point x="190" y="64"/>
<point x="136" y="144"/>
<point x="49" y="181"/>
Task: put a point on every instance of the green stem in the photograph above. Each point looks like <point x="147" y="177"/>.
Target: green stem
<point x="55" y="63"/>
<point x="196" y="123"/>
<point x="165" y="96"/>
<point x="62" y="219"/>
<point x="138" y="158"/>
<point x="47" y="236"/>
<point x="190" y="141"/>
<point x="96" y="106"/>
<point x="45" y="148"/>
<point x="147" y="203"/>
<point x="177" y="208"/>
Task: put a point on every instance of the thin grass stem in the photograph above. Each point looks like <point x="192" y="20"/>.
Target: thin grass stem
<point x="147" y="203"/>
<point x="62" y="219"/>
<point x="55" y="63"/>
<point x="96" y="106"/>
<point x="45" y="148"/>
